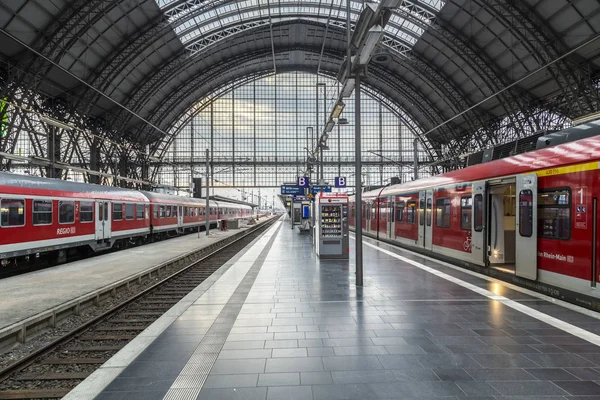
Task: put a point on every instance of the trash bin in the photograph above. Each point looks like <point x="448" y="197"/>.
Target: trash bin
<point x="223" y="224"/>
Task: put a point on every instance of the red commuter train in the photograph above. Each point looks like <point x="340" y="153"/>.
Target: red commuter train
<point x="52" y="217"/>
<point x="531" y="219"/>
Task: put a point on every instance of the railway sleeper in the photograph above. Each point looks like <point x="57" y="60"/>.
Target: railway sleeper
<point x="53" y="376"/>
<point x="33" y="394"/>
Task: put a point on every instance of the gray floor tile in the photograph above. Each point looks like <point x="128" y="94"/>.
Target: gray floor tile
<point x="250" y="366"/>
<point x="280" y="344"/>
<point x="242" y="354"/>
<point x="452" y="374"/>
<point x="585" y="374"/>
<point x="282" y="379"/>
<point x="501" y="374"/>
<point x="405" y="349"/>
<point x="359" y="350"/>
<point x="348" y="363"/>
<point x="560" y="360"/>
<point x="551" y="374"/>
<point x="292" y="352"/>
<point x="231" y="394"/>
<point x="581" y="388"/>
<point x="316" y="378"/>
<point x="290" y="393"/>
<point x="344" y="392"/>
<point x="256" y="344"/>
<point x="295" y="364"/>
<point x="416" y="375"/>
<point x="401" y="361"/>
<point x="476" y="388"/>
<point x="320" y="351"/>
<point x="527" y="388"/>
<point x="449" y="360"/>
<point x="504" y="360"/>
<point x="230" y="381"/>
<point x="363" y="376"/>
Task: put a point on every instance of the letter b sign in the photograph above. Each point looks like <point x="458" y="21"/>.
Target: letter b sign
<point x="340" y="182"/>
<point x="303" y="181"/>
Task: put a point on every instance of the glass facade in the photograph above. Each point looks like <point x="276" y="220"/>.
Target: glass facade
<point x="258" y="133"/>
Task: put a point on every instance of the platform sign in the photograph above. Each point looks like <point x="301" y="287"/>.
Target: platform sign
<point x="320" y="188"/>
<point x="303" y="181"/>
<point x="340" y="181"/>
<point x="292" y="189"/>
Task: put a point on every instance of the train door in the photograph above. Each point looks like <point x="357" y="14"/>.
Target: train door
<point x="478" y="228"/>
<point x="526" y="229"/>
<point x="421" y="238"/>
<point x="103" y="220"/>
<point x="179" y="216"/>
<point x="429" y="220"/>
<point x="391" y="217"/>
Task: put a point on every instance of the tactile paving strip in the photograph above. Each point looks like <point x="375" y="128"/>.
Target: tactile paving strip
<point x="194" y="374"/>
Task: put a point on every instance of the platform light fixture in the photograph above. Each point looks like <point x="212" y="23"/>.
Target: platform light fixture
<point x="373" y="36"/>
<point x="342" y="121"/>
<point x="330" y="125"/>
<point x="337" y="110"/>
<point x="348" y="88"/>
<point x="55" y="123"/>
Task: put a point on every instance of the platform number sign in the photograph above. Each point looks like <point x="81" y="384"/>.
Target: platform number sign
<point x="340" y="181"/>
<point x="303" y="181"/>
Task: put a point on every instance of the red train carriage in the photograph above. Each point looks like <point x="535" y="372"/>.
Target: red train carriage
<point x="533" y="216"/>
<point x="39" y="215"/>
<point x="51" y="217"/>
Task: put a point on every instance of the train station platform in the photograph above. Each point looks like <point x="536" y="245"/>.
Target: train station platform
<point x="33" y="296"/>
<point x="278" y="323"/>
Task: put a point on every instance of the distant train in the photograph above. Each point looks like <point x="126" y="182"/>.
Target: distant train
<point x="531" y="219"/>
<point x="40" y="216"/>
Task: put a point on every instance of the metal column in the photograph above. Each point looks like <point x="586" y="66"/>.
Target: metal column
<point x="207" y="209"/>
<point x="358" y="184"/>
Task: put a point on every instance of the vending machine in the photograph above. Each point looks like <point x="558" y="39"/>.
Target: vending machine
<point x="331" y="227"/>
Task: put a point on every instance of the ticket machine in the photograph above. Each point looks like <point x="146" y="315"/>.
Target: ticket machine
<point x="331" y="225"/>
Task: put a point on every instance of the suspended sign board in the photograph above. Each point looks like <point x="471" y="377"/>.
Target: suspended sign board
<point x="292" y="189"/>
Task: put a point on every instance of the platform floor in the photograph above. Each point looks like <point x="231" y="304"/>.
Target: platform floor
<point x="26" y="295"/>
<point x="279" y="324"/>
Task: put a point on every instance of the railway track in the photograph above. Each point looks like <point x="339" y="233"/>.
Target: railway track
<point x="53" y="370"/>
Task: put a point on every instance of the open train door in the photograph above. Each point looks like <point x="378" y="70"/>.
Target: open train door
<point x="526" y="226"/>
<point x="421" y="239"/>
<point x="478" y="223"/>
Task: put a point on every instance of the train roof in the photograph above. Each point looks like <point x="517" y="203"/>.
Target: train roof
<point x="232" y="205"/>
<point x="31" y="185"/>
<point x="580" y="151"/>
<point x="156" y="197"/>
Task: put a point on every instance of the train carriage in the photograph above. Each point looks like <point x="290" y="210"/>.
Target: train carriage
<point x="55" y="218"/>
<point x="39" y="215"/>
<point x="533" y="215"/>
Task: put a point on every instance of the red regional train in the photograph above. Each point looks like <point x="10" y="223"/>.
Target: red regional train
<point x="531" y="219"/>
<point x="55" y="218"/>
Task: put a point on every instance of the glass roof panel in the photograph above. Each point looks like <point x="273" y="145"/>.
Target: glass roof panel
<point x="193" y="20"/>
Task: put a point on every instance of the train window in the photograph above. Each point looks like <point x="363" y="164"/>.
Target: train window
<point x="154" y="211"/>
<point x="175" y="208"/>
<point x="526" y="213"/>
<point x="429" y="207"/>
<point x="442" y="213"/>
<point x="411" y="212"/>
<point x="421" y="212"/>
<point x="12" y="212"/>
<point x="374" y="212"/>
<point x="400" y="211"/>
<point x="129" y="211"/>
<point x="554" y="213"/>
<point x="42" y="212"/>
<point x="139" y="211"/>
<point x="106" y="210"/>
<point x="162" y="211"/>
<point x="186" y="211"/>
<point x="86" y="211"/>
<point x="168" y="212"/>
<point x="353" y="211"/>
<point x="478" y="212"/>
<point x="466" y="205"/>
<point x="66" y="212"/>
<point x="147" y="213"/>
<point x="117" y="211"/>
